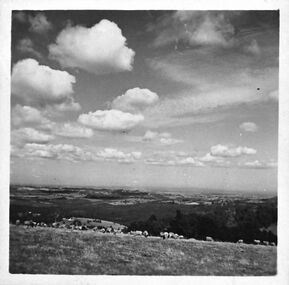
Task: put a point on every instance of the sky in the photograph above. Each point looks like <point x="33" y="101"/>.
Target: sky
<point x="145" y="99"/>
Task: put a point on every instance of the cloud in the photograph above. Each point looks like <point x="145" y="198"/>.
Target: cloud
<point x="39" y="23"/>
<point x="205" y="89"/>
<point x="26" y="46"/>
<point x="152" y="161"/>
<point x="189" y="161"/>
<point x="213" y="29"/>
<point x="54" y="151"/>
<point x="258" y="165"/>
<point x="30" y="135"/>
<point x="19" y="16"/>
<point x="72" y="130"/>
<point x="176" y="161"/>
<point x="168" y="155"/>
<point x="74" y="153"/>
<point x="68" y="106"/>
<point x="194" y="70"/>
<point x="40" y="84"/>
<point x="180" y="158"/>
<point x="135" y="99"/>
<point x="194" y="28"/>
<point x="208" y="157"/>
<point x="214" y="161"/>
<point x="110" y="120"/>
<point x="169" y="141"/>
<point x="150" y="135"/>
<point x="272" y="164"/>
<point x="274" y="95"/>
<point x="253" y="164"/>
<point x="226" y="151"/>
<point x="162" y="138"/>
<point x="221" y="159"/>
<point x="100" y="49"/>
<point x="29" y="116"/>
<point x="154" y="120"/>
<point x="173" y="158"/>
<point x="59" y="109"/>
<point x="117" y="155"/>
<point x="196" y="108"/>
<point x="249" y="127"/>
<point x="253" y="48"/>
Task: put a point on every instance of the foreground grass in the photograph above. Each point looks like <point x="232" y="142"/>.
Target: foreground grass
<point x="56" y="251"/>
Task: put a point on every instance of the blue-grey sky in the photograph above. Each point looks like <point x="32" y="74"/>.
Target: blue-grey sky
<point x="185" y="99"/>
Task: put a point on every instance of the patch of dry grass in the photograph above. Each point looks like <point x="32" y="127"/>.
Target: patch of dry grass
<point x="56" y="251"/>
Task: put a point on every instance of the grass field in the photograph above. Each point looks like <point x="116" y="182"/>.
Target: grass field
<point x="60" y="251"/>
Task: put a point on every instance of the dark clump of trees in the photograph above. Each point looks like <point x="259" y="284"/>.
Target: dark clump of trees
<point x="193" y="225"/>
<point x="190" y="225"/>
<point x="247" y="223"/>
<point x="153" y="225"/>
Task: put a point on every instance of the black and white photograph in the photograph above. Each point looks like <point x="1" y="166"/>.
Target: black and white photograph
<point x="144" y="142"/>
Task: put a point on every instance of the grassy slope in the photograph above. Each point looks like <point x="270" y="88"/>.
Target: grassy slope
<point x="58" y="251"/>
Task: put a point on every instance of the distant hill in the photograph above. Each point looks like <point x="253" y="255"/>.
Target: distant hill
<point x="222" y="216"/>
<point x="60" y="251"/>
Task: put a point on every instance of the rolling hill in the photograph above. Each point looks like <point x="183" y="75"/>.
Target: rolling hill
<point x="62" y="251"/>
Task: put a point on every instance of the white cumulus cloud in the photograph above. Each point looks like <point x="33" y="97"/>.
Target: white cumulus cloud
<point x="208" y="157"/>
<point x="30" y="135"/>
<point x="249" y="127"/>
<point x="35" y="83"/>
<point x="72" y="130"/>
<point x="169" y="141"/>
<point x="119" y="156"/>
<point x="150" y="135"/>
<point x="110" y="120"/>
<point x="74" y="153"/>
<point x="189" y="161"/>
<point x="100" y="49"/>
<point x="226" y="151"/>
<point x="27" y="115"/>
<point x="164" y="138"/>
<point x="135" y="99"/>
<point x="54" y="151"/>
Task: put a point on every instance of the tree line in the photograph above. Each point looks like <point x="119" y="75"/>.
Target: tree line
<point x="240" y="222"/>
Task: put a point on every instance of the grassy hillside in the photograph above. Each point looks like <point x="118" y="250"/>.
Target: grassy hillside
<point x="60" y="251"/>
